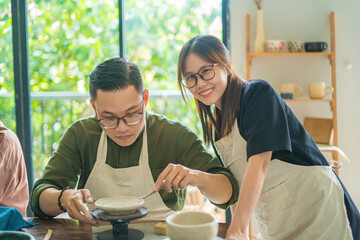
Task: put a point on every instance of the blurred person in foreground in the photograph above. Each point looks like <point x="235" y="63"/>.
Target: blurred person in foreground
<point x="13" y="185"/>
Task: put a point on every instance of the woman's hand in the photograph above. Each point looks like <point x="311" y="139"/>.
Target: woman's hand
<point x="73" y="202"/>
<point x="216" y="187"/>
<point x="178" y="177"/>
<point x="234" y="233"/>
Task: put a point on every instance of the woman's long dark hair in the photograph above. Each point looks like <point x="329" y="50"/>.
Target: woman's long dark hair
<point x="212" y="50"/>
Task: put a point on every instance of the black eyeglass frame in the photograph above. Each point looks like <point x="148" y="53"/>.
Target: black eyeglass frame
<point x="124" y="120"/>
<point x="183" y="79"/>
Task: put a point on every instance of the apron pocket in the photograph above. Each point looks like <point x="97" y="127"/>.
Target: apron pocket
<point x="277" y="210"/>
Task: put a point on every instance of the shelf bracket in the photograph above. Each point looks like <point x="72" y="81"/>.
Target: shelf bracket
<point x="250" y="60"/>
<point x="331" y="56"/>
<point x="332" y="106"/>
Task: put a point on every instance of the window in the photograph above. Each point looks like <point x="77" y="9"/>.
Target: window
<point x="155" y="34"/>
<point x="64" y="46"/>
<point x="7" y="93"/>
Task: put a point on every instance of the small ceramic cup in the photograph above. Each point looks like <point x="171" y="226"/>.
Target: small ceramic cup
<point x="315" y="46"/>
<point x="275" y="45"/>
<point x="192" y="226"/>
<point x="295" y="46"/>
<point x="319" y="90"/>
<point x="290" y="90"/>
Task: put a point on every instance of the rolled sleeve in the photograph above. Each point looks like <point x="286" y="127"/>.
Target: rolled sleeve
<point x="61" y="171"/>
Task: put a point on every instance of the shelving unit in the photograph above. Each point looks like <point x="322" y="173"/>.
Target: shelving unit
<point x="331" y="57"/>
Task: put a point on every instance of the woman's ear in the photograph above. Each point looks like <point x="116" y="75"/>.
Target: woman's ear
<point x="146" y="97"/>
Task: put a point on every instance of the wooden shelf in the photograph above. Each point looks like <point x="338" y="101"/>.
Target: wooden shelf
<point x="269" y="54"/>
<point x="308" y="100"/>
<point x="251" y="55"/>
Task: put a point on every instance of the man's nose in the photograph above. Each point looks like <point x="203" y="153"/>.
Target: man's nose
<point x="122" y="126"/>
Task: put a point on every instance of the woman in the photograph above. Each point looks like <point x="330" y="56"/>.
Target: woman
<point x="285" y="180"/>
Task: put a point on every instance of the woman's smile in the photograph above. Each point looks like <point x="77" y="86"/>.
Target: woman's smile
<point x="207" y="92"/>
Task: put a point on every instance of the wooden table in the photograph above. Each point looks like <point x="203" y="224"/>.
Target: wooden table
<point x="65" y="228"/>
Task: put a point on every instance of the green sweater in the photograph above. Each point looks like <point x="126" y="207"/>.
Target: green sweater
<point x="168" y="142"/>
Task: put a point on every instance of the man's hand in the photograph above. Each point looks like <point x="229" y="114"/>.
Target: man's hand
<point x="178" y="177"/>
<point x="73" y="201"/>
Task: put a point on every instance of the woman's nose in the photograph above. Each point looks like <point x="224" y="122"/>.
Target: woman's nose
<point x="199" y="81"/>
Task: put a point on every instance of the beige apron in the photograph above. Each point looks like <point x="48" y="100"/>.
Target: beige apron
<point x="105" y="181"/>
<point x="296" y="202"/>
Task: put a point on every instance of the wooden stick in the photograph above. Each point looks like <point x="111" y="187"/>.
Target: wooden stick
<point x="48" y="234"/>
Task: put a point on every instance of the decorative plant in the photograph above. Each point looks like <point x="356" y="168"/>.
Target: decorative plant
<point x="258" y="4"/>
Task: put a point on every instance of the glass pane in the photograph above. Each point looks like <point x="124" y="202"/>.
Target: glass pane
<point x="64" y="46"/>
<point x="155" y="34"/>
<point x="7" y="99"/>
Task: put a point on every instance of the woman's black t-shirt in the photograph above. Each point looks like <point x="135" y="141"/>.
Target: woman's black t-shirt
<point x="267" y="124"/>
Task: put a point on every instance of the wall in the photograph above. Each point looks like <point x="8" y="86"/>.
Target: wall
<point x="308" y="20"/>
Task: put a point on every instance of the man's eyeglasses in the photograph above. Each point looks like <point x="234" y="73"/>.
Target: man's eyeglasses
<point x="206" y="73"/>
<point x="130" y="120"/>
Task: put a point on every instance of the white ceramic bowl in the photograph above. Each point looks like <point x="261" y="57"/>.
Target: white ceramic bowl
<point x="275" y="45"/>
<point x="119" y="205"/>
<point x="192" y="226"/>
<point x="15" y="235"/>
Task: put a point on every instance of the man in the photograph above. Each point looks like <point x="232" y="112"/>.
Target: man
<point x="13" y="185"/>
<point x="125" y="150"/>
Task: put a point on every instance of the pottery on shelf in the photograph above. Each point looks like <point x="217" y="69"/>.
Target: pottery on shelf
<point x="259" y="44"/>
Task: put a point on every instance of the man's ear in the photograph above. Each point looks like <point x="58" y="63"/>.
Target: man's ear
<point x="146" y="97"/>
<point x="92" y="104"/>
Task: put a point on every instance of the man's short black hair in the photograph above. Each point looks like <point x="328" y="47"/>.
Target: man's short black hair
<point x="115" y="74"/>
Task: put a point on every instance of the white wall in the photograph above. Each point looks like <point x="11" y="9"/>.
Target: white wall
<point x="309" y="20"/>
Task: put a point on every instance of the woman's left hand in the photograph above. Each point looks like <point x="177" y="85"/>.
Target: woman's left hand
<point x="178" y="177"/>
<point x="234" y="233"/>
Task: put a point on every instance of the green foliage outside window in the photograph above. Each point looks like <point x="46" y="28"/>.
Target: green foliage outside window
<point x="68" y="38"/>
<point x="7" y="103"/>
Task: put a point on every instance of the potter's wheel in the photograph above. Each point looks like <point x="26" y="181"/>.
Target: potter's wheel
<point x="120" y="223"/>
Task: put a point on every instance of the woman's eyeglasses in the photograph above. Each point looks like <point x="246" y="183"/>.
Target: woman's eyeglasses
<point x="206" y="73"/>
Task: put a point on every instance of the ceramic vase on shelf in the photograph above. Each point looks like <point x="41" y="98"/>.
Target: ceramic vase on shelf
<point x="259" y="44"/>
